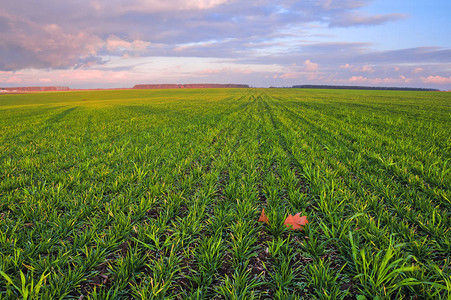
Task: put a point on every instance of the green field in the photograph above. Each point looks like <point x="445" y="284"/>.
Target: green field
<point x="156" y="194"/>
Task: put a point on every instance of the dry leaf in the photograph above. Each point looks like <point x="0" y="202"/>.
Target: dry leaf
<point x="296" y="222"/>
<point x="293" y="222"/>
<point x="263" y="217"/>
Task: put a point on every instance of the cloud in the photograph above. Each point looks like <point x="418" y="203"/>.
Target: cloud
<point x="337" y="4"/>
<point x="359" y="79"/>
<point x="114" y="43"/>
<point x="362" y="58"/>
<point x="154" y="6"/>
<point x="60" y="34"/>
<point x="436" y="79"/>
<point x="25" y="43"/>
<point x="346" y="66"/>
<point x="292" y="75"/>
<point x="376" y="81"/>
<point x="408" y="55"/>
<point x="126" y="72"/>
<point x="364" y="69"/>
<point x="310" y="66"/>
<point x="360" y="19"/>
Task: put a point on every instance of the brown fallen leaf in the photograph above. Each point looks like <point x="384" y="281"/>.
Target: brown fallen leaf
<point x="263" y="217"/>
<point x="296" y="222"/>
<point x="293" y="222"/>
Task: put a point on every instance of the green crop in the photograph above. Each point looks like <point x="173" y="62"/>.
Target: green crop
<point x="156" y="194"/>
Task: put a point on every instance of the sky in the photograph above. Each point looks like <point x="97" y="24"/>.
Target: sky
<point x="120" y="43"/>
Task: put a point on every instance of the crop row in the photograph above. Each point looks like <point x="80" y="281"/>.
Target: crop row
<point x="157" y="195"/>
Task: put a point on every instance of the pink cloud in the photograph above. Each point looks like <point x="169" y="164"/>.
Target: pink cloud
<point x="346" y="66"/>
<point x="436" y="79"/>
<point x="114" y="43"/>
<point x="66" y="77"/>
<point x="46" y="45"/>
<point x="365" y="69"/>
<point x="10" y="78"/>
<point x="406" y="80"/>
<point x="242" y="70"/>
<point x="292" y="75"/>
<point x="417" y="70"/>
<point x="210" y="71"/>
<point x="387" y="80"/>
<point x="232" y="70"/>
<point x="310" y="66"/>
<point x="358" y="79"/>
<point x="314" y="76"/>
<point x="151" y="6"/>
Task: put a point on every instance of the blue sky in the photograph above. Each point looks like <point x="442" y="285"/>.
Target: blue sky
<point x="116" y="43"/>
<point x="426" y="23"/>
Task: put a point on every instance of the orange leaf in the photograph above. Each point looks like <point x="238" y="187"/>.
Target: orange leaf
<point x="296" y="221"/>
<point x="263" y="217"/>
